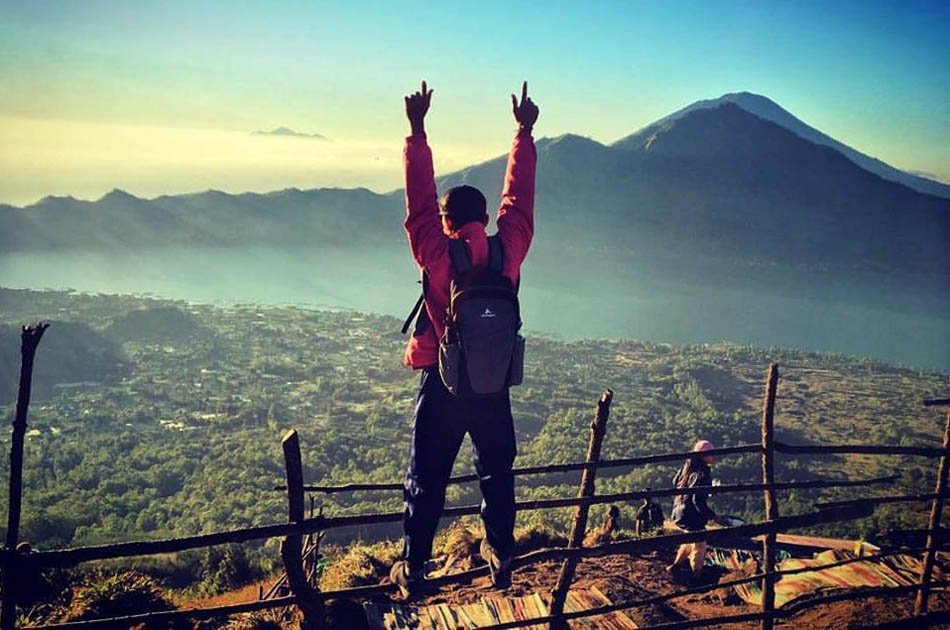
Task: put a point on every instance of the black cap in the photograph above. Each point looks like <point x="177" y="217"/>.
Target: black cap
<point x="464" y="204"/>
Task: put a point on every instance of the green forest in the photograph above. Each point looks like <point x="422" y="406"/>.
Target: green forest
<point x="152" y="418"/>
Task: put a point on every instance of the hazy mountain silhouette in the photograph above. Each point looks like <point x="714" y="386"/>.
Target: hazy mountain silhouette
<point x="290" y="217"/>
<point x="287" y="132"/>
<point x="705" y="185"/>
<point x="768" y="109"/>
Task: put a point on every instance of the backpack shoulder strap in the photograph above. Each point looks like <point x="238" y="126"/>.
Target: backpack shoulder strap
<point x="458" y="253"/>
<point x="412" y="314"/>
<point x="419" y="308"/>
<point x="496" y="254"/>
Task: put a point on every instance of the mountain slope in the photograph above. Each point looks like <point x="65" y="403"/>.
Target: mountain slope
<point x="766" y="108"/>
<point x="75" y="356"/>
<point x="724" y="184"/>
<point x="120" y="221"/>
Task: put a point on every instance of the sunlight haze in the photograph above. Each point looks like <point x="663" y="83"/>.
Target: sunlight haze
<point x="160" y="97"/>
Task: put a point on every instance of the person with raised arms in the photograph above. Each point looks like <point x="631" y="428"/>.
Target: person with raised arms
<point x="470" y="282"/>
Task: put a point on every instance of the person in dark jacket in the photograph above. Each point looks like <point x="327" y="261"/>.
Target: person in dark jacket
<point x="690" y="511"/>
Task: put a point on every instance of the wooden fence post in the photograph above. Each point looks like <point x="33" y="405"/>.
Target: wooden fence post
<point x="292" y="548"/>
<point x="936" y="511"/>
<point x="598" y="429"/>
<point x="29" y="340"/>
<point x="771" y="507"/>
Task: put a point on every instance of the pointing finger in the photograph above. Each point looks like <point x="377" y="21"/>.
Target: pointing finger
<point x="524" y="91"/>
<point x="423" y="88"/>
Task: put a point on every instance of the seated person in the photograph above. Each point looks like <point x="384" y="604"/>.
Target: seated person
<point x="649" y="516"/>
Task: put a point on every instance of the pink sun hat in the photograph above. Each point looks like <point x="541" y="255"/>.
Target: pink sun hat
<point x="703" y="445"/>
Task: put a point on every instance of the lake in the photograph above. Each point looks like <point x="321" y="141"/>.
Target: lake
<point x="558" y="299"/>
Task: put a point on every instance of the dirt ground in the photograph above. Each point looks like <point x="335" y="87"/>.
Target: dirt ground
<point x="628" y="578"/>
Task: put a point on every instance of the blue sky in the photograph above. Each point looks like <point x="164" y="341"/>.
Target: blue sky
<point x="89" y="80"/>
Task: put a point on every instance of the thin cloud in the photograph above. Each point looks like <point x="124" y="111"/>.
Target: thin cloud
<point x="287" y="132"/>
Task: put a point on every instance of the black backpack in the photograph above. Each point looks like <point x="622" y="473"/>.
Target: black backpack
<point x="481" y="352"/>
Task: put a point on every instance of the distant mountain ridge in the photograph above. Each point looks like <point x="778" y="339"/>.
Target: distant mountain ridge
<point x="712" y="183"/>
<point x="120" y="221"/>
<point x="289" y="133"/>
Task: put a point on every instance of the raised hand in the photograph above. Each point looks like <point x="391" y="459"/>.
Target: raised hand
<point x="526" y="112"/>
<point x="417" y="104"/>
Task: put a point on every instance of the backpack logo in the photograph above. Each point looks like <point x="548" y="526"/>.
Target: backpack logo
<point x="487" y="313"/>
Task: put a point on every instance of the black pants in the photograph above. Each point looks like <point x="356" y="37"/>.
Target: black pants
<point x="441" y="421"/>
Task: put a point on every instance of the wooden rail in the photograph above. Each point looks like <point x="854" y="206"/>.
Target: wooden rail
<point x="546" y="469"/>
<point x="771" y="507"/>
<point x="29" y="341"/>
<point x="291" y="548"/>
<point x="167" y="616"/>
<point x="598" y="429"/>
<point x="895" y="498"/>
<point x="860" y="449"/>
<point x="936" y="511"/>
<point x="76" y="555"/>
<point x="780" y="447"/>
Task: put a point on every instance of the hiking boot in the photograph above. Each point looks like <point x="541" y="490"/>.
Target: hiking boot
<point x="500" y="568"/>
<point x="408" y="581"/>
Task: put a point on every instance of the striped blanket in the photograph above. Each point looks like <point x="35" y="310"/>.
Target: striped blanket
<point x="491" y="611"/>
<point x="899" y="570"/>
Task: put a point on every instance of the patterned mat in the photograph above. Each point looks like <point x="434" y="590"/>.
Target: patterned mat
<point x="900" y="570"/>
<point x="492" y="610"/>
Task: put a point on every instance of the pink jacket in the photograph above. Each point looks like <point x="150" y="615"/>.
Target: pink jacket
<point x="429" y="245"/>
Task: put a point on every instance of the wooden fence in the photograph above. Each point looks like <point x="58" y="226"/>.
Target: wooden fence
<point x="299" y="558"/>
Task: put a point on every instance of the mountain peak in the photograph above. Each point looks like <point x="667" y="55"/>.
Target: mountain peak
<point x="117" y="194"/>
<point x="568" y="142"/>
<point x="570" y="138"/>
<point x="725" y="129"/>
<point x="761" y="106"/>
<point x="765" y="108"/>
<point x="56" y="201"/>
<point x="743" y="96"/>
<point x="56" y="198"/>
